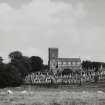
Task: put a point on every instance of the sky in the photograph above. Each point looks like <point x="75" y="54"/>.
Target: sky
<point x="76" y="27"/>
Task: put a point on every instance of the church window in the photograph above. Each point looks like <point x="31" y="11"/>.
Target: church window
<point x="59" y="63"/>
<point x="64" y="63"/>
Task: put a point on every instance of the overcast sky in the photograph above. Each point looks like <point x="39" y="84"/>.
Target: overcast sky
<point x="76" y="27"/>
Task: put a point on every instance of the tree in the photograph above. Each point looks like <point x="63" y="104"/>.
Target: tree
<point x="36" y="63"/>
<point x="2" y="72"/>
<point x="20" y="62"/>
<point x="15" y="55"/>
<point x="86" y="65"/>
<point x="1" y="60"/>
<point x="45" y="68"/>
<point x="15" y="76"/>
<point x="92" y="65"/>
<point x="11" y="75"/>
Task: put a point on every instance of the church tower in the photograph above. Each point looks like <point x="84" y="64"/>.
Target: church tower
<point x="53" y="56"/>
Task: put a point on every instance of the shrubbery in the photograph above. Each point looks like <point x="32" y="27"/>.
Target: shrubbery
<point x="13" y="73"/>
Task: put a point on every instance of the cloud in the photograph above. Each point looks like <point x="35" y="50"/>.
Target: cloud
<point x="41" y="24"/>
<point x="29" y="26"/>
<point x="16" y="3"/>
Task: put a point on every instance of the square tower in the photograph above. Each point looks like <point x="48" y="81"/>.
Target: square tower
<point x="53" y="53"/>
<point x="53" y="56"/>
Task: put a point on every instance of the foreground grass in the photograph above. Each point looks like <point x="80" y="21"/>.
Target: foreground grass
<point x="52" y="97"/>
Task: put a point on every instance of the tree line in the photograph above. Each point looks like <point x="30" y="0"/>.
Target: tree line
<point x="14" y="72"/>
<point x="86" y="65"/>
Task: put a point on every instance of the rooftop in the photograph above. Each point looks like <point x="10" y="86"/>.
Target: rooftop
<point x="69" y="59"/>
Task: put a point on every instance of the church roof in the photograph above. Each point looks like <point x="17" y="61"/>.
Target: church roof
<point x="69" y="59"/>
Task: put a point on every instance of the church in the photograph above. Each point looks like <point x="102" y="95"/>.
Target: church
<point x="57" y="64"/>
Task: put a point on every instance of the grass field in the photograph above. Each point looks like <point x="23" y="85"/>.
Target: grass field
<point x="51" y="96"/>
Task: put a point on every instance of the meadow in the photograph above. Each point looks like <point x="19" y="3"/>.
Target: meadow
<point x="50" y="96"/>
